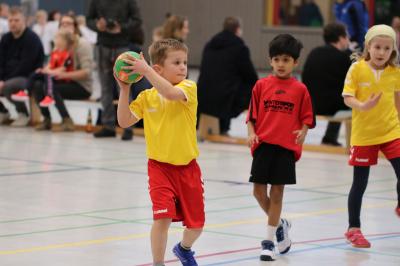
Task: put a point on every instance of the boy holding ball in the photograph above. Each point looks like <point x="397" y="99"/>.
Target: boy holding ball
<point x="169" y="111"/>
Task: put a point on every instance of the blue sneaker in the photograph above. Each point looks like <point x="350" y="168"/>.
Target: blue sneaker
<point x="185" y="256"/>
<point x="267" y="252"/>
<point x="282" y="236"/>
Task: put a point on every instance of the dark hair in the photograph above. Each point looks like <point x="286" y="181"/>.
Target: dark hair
<point x="285" y="44"/>
<point x="333" y="31"/>
<point x="232" y="24"/>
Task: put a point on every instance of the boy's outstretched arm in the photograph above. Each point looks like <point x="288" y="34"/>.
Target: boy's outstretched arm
<point x="124" y="114"/>
<point x="163" y="86"/>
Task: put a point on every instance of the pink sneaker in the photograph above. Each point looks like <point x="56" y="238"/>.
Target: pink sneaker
<point x="46" y="102"/>
<point x="357" y="239"/>
<point x="20" y="96"/>
<point x="397" y="210"/>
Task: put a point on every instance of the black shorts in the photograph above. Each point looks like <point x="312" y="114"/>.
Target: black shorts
<point x="273" y="164"/>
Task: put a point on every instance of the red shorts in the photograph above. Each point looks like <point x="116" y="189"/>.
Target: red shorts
<point x="368" y="155"/>
<point x="177" y="192"/>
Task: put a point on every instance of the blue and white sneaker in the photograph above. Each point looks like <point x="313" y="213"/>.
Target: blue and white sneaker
<point x="282" y="236"/>
<point x="268" y="250"/>
<point x="185" y="256"/>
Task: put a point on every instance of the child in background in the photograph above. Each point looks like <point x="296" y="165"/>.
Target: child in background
<point x="372" y="90"/>
<point x="280" y="114"/>
<point x="169" y="114"/>
<point x="60" y="57"/>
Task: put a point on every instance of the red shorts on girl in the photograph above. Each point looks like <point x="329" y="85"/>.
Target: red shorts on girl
<point x="176" y="192"/>
<point x="368" y="155"/>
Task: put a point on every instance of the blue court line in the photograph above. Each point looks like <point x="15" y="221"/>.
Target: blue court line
<point x="45" y="172"/>
<point x="318" y="247"/>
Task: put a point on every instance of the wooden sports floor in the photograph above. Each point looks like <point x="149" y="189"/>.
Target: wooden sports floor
<point x="68" y="199"/>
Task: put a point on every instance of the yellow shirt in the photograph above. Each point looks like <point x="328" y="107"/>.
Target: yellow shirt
<point x="381" y="123"/>
<point x="169" y="126"/>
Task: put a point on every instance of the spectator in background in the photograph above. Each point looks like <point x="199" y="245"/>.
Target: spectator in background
<point x="396" y="27"/>
<point x="176" y="27"/>
<point x="354" y="14"/>
<point x="21" y="52"/>
<point x="73" y="85"/>
<point x="114" y="27"/>
<point x="310" y="15"/>
<point x="227" y="75"/>
<point x="88" y="34"/>
<point x="157" y="33"/>
<point x="4" y="11"/>
<point x="53" y="24"/>
<point x="324" y="72"/>
<point x="42" y="30"/>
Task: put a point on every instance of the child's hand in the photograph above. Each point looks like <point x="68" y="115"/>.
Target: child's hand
<point x="371" y="102"/>
<point x="136" y="65"/>
<point x="300" y="136"/>
<point x="252" y="139"/>
<point x="39" y="70"/>
<point x="121" y="84"/>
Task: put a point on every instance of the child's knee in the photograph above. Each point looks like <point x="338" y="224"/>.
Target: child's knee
<point x="260" y="192"/>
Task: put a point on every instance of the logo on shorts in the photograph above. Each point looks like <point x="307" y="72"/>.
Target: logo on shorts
<point x="362" y="160"/>
<point x="160" y="211"/>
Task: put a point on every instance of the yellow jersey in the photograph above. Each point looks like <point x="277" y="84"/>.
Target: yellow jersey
<point x="381" y="123"/>
<point x="169" y="126"/>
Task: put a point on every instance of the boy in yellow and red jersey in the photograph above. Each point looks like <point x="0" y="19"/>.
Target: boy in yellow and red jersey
<point x="169" y="111"/>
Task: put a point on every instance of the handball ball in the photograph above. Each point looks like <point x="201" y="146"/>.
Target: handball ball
<point x="122" y="74"/>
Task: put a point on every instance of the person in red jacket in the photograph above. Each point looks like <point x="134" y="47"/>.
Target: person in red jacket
<point x="280" y="114"/>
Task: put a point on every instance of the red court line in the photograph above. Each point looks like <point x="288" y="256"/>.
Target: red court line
<point x="256" y="248"/>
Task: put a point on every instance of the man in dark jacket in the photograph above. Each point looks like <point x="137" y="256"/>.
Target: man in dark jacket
<point x="21" y="53"/>
<point x="324" y="73"/>
<point x="114" y="21"/>
<point x="226" y="75"/>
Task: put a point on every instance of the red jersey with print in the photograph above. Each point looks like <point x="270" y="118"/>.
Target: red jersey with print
<point x="61" y="58"/>
<point x="277" y="108"/>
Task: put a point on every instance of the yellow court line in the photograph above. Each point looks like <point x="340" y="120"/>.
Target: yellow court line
<point x="174" y="231"/>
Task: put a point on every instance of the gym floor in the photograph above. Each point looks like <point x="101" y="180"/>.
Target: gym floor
<point x="70" y="199"/>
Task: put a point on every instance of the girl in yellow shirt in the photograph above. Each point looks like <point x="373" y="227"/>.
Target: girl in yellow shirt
<point x="372" y="90"/>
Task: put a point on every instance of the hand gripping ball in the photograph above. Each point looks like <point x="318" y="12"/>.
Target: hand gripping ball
<point x="123" y="74"/>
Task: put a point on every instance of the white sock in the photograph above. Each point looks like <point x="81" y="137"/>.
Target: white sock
<point x="271" y="231"/>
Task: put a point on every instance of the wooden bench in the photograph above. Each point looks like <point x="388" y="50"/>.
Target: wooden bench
<point x="209" y="130"/>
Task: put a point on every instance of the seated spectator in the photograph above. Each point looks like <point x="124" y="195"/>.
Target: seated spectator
<point x="4" y="11"/>
<point x="227" y="75"/>
<point x="324" y="73"/>
<point x="41" y="28"/>
<point x="60" y="58"/>
<point x="176" y="27"/>
<point x="310" y="15"/>
<point x="72" y="85"/>
<point x="21" y="53"/>
<point x="88" y="34"/>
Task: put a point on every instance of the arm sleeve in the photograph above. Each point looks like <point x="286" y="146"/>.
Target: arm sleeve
<point x="189" y="88"/>
<point x="84" y="56"/>
<point x="29" y="55"/>
<point x="246" y="67"/>
<point x="349" y="82"/>
<point x="137" y="106"/>
<point x="307" y="115"/>
<point x="134" y="21"/>
<point x="92" y="16"/>
<point x="254" y="102"/>
<point x="2" y="58"/>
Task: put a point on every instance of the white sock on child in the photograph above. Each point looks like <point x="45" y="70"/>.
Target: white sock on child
<point x="271" y="231"/>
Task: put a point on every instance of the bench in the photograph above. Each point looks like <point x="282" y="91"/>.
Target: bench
<point x="209" y="130"/>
